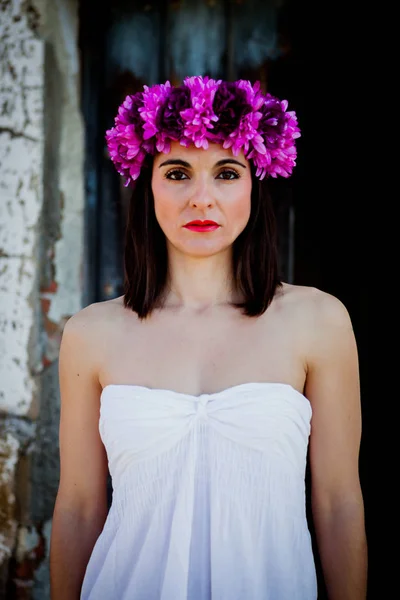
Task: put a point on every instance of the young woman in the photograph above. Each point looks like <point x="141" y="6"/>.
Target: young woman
<point x="205" y="386"/>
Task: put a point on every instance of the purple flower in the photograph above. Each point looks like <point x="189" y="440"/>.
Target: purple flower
<point x="125" y="150"/>
<point x="169" y="119"/>
<point x="272" y="122"/>
<point x="246" y="136"/>
<point x="128" y="111"/>
<point x="279" y="130"/>
<point x="124" y="140"/>
<point x="230" y="105"/>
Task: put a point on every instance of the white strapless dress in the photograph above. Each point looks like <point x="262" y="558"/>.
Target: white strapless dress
<point x="208" y="496"/>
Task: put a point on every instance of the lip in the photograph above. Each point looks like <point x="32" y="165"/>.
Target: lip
<point x="202" y="226"/>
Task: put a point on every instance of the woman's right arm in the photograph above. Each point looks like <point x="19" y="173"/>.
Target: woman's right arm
<point x="81" y="504"/>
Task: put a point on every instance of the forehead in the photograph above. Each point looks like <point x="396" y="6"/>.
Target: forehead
<point x="198" y="156"/>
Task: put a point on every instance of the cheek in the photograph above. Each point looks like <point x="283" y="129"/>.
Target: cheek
<point x="165" y="203"/>
<point x="241" y="205"/>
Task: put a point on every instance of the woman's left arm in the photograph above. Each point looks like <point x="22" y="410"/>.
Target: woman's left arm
<point x="332" y="386"/>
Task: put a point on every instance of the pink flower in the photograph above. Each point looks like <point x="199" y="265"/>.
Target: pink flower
<point x="153" y="98"/>
<point x="199" y="119"/>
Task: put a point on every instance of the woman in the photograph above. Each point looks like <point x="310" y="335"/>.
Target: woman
<point x="205" y="385"/>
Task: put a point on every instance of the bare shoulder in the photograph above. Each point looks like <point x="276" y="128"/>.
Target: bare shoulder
<point x="87" y="336"/>
<point x="313" y="307"/>
<point x="322" y="331"/>
<point x="87" y="330"/>
<point x="94" y="319"/>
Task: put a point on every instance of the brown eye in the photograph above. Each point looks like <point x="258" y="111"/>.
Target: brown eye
<point x="228" y="174"/>
<point x="176" y="175"/>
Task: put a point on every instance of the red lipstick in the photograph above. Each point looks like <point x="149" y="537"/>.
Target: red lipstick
<point x="201" y="225"/>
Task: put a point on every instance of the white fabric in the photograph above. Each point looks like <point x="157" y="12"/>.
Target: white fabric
<point x="208" y="496"/>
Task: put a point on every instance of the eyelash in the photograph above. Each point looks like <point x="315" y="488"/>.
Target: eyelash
<point x="225" y="171"/>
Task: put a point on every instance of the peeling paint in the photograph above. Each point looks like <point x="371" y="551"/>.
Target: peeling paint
<point x="32" y="14"/>
<point x="17" y="281"/>
<point x="8" y="454"/>
<point x="9" y="447"/>
<point x="27" y="540"/>
<point x="20" y="205"/>
<point x="42" y="583"/>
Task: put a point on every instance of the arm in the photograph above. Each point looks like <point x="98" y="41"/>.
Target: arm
<point x="81" y="503"/>
<point x="332" y="386"/>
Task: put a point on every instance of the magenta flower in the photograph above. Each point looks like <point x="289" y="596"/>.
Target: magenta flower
<point x="125" y="143"/>
<point x="153" y="98"/>
<point x="198" y="119"/>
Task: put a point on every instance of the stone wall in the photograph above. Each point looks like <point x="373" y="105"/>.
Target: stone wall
<point x="41" y="249"/>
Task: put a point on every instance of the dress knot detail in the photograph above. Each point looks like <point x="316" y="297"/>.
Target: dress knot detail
<point x="202" y="413"/>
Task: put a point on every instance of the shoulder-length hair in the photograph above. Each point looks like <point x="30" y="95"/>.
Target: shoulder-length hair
<point x="255" y="251"/>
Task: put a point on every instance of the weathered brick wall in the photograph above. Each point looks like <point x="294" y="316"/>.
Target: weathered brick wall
<point x="41" y="249"/>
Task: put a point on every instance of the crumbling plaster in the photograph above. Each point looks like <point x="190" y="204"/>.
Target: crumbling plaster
<point x="21" y="165"/>
<point x="9" y="447"/>
<point x="28" y="30"/>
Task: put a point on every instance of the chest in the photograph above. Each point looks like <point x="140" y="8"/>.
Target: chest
<point x="203" y="354"/>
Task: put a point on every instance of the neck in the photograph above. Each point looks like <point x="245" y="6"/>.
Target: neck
<point x="197" y="283"/>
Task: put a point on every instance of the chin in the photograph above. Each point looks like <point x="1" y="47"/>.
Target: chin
<point x="202" y="248"/>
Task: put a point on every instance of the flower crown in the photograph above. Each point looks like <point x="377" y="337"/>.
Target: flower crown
<point x="202" y="110"/>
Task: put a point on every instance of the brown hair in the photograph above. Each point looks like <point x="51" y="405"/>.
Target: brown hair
<point x="255" y="253"/>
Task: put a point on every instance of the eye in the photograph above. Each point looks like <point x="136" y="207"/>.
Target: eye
<point x="228" y="174"/>
<point x="176" y="175"/>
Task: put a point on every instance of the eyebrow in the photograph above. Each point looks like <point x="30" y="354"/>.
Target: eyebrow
<point x="183" y="163"/>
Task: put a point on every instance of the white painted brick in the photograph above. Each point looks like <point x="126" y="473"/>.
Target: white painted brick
<point x="17" y="386"/>
<point x="20" y="194"/>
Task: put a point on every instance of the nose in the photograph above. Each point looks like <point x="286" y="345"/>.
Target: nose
<point x="202" y="197"/>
